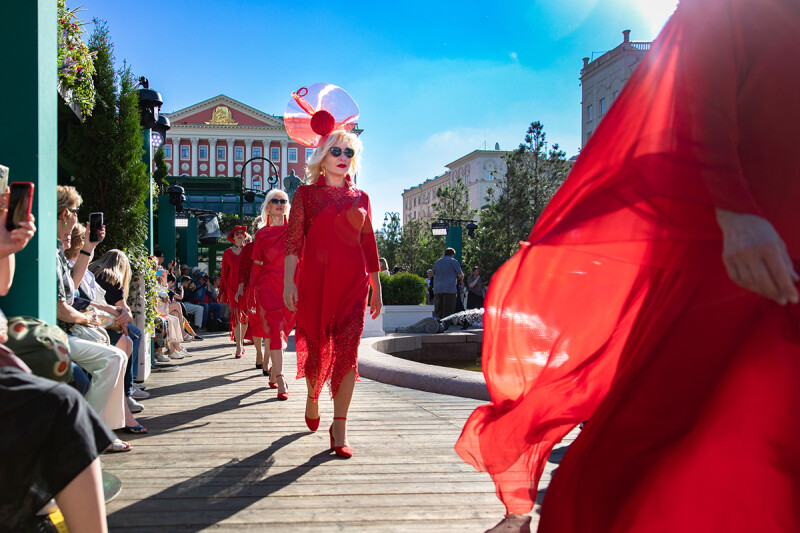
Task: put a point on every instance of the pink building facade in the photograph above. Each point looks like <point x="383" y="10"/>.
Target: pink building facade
<point x="218" y="136"/>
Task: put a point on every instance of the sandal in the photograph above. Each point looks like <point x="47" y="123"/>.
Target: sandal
<point x="136" y="430"/>
<point x="118" y="446"/>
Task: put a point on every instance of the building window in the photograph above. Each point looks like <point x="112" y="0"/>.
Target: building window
<point x="292" y="155"/>
<point x="256" y="151"/>
<point x="220" y="153"/>
<point x="614" y="96"/>
<point x="184" y="152"/>
<point x="275" y="154"/>
<point x="238" y="153"/>
<point x="168" y="151"/>
<point x="202" y="153"/>
<point x="309" y="153"/>
<point x="603" y="107"/>
<point x="589" y="113"/>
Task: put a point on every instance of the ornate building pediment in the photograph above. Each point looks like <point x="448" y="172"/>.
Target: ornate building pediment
<point x="223" y="111"/>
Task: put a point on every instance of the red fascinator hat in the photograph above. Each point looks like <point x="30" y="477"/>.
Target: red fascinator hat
<point x="235" y="230"/>
<point x="317" y="111"/>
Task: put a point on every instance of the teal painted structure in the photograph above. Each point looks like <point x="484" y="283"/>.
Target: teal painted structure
<point x="148" y="203"/>
<point x="455" y="240"/>
<point x="28" y="145"/>
<point x="187" y="243"/>
<point x="166" y="228"/>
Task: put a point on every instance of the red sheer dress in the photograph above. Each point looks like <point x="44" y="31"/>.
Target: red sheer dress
<point x="268" y="316"/>
<point x="229" y="284"/>
<point x="330" y="230"/>
<point x="618" y="310"/>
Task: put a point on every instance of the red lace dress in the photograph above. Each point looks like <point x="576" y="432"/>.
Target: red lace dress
<point x="268" y="315"/>
<point x="618" y="309"/>
<point x="229" y="284"/>
<point x="330" y="230"/>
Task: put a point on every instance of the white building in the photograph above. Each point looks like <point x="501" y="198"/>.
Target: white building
<point x="603" y="78"/>
<point x="478" y="170"/>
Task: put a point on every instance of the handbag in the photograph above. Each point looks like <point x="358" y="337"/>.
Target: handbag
<point x="106" y="319"/>
<point x="44" y="348"/>
<point x="90" y="333"/>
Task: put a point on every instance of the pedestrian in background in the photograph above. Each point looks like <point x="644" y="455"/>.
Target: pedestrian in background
<point x="446" y="275"/>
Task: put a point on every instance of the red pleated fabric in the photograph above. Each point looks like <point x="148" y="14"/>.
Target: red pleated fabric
<point x="617" y="310"/>
<point x="269" y="317"/>
<point x="330" y="230"/>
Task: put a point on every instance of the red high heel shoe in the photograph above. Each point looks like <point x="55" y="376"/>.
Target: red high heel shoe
<point x="282" y="395"/>
<point x="341" y="451"/>
<point x="272" y="384"/>
<point x="312" y="423"/>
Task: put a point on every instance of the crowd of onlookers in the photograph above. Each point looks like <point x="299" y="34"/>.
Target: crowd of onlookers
<point x="64" y="387"/>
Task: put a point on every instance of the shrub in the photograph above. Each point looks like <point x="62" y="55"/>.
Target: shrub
<point x="403" y="289"/>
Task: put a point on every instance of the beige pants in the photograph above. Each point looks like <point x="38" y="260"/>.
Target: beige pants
<point x="106" y="364"/>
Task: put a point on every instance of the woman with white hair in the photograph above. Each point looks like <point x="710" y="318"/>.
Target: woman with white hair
<point x="331" y="228"/>
<point x="271" y="319"/>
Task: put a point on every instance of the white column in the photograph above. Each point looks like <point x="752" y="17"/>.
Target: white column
<point x="231" y="170"/>
<point x="212" y="157"/>
<point x="195" y="141"/>
<point x="176" y="156"/>
<point x="248" y="151"/>
<point x="284" y="159"/>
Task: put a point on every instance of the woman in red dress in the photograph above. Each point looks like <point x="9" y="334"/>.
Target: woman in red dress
<point x="330" y="228"/>
<point x="251" y="325"/>
<point x="229" y="284"/>
<point x="656" y="299"/>
<point x="268" y="316"/>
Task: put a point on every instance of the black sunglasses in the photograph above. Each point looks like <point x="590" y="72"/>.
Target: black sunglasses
<point x="277" y="201"/>
<point x="348" y="152"/>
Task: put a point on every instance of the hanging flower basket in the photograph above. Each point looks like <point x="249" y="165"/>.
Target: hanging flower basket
<point x="75" y="63"/>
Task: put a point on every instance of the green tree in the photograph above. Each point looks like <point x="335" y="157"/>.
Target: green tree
<point x="160" y="171"/>
<point x="452" y="201"/>
<point x="418" y="249"/>
<point x="533" y="175"/>
<point x="107" y="151"/>
<point x="389" y="237"/>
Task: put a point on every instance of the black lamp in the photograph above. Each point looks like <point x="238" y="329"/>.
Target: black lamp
<point x="159" y="133"/>
<point x="176" y="197"/>
<point x="439" y="228"/>
<point x="149" y="104"/>
<point x="471" y="227"/>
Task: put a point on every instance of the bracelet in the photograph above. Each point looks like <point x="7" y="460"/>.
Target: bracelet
<point x="87" y="254"/>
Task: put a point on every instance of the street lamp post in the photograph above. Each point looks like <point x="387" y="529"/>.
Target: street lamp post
<point x="451" y="228"/>
<point x="250" y="194"/>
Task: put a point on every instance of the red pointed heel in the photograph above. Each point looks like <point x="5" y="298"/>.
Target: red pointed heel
<point x="282" y="395"/>
<point x="341" y="451"/>
<point x="312" y="423"/>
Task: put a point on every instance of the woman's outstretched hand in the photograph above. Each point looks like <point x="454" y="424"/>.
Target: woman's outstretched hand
<point x="755" y="257"/>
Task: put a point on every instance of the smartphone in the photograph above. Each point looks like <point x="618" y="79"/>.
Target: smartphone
<point x="20" y="201"/>
<point x="95" y="225"/>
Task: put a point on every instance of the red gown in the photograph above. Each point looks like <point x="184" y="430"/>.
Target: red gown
<point x="246" y="302"/>
<point x="618" y="310"/>
<point x="229" y="284"/>
<point x="268" y="315"/>
<point x="330" y="230"/>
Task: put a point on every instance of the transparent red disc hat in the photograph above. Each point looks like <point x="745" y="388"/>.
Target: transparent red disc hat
<point x="316" y="111"/>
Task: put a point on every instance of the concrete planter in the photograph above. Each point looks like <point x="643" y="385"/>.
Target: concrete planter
<point x="401" y="316"/>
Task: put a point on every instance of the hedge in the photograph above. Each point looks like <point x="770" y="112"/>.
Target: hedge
<point x="403" y="289"/>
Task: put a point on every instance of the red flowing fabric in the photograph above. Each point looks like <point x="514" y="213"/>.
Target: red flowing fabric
<point x="618" y="310"/>
<point x="330" y="230"/>
<point x="229" y="284"/>
<point x="246" y="304"/>
<point x="269" y="317"/>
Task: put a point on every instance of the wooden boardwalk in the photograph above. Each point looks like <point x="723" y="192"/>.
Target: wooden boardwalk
<point x="224" y="454"/>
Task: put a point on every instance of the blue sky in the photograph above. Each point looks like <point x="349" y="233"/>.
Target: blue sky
<point x="434" y="80"/>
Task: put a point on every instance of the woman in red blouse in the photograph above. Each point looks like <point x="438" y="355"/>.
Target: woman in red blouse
<point x="229" y="284"/>
<point x="330" y="229"/>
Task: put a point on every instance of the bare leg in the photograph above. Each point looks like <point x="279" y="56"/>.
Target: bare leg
<point x="82" y="502"/>
<point x="341" y="404"/>
<point x="130" y="421"/>
<point x="259" y="351"/>
<point x="312" y="406"/>
<point x="512" y="523"/>
<point x="277" y="369"/>
<point x="237" y="337"/>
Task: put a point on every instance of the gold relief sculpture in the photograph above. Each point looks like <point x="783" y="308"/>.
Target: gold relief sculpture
<point x="222" y="116"/>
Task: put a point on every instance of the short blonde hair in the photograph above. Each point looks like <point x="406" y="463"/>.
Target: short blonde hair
<point x="314" y="167"/>
<point x="265" y="206"/>
<point x="68" y="198"/>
